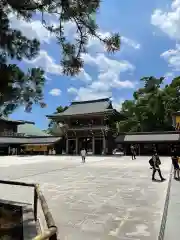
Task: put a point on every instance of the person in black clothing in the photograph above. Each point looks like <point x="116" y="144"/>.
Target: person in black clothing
<point x="133" y="152"/>
<point x="175" y="164"/>
<point x="154" y="149"/>
<point x="155" y="166"/>
<point x="174" y="152"/>
<point x="176" y="167"/>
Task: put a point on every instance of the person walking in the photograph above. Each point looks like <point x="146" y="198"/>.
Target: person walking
<point x="154" y="148"/>
<point x="83" y="155"/>
<point x="173" y="151"/>
<point x="176" y="167"/>
<point x="175" y="163"/>
<point x="155" y="163"/>
<point x="133" y="152"/>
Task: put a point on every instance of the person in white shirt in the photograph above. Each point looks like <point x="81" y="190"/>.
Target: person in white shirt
<point x="83" y="155"/>
<point x="54" y="151"/>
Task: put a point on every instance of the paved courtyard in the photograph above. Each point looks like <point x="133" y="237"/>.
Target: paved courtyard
<point x="107" y="198"/>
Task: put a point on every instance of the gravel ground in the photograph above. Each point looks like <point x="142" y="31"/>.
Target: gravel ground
<point x="107" y="198"/>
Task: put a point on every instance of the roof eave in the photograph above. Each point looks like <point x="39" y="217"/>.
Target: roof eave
<point x="176" y="113"/>
<point x="18" y="122"/>
<point x="25" y="140"/>
<point x="145" y="133"/>
<point x="109" y="111"/>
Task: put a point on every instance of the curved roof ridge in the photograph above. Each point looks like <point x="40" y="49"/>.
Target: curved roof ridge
<point x="91" y="101"/>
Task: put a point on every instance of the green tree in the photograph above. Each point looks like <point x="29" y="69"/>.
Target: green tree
<point x="79" y="12"/>
<point x="131" y="123"/>
<point x="151" y="107"/>
<point x="172" y="96"/>
<point x="19" y="87"/>
<point x="52" y="123"/>
<point x="16" y="86"/>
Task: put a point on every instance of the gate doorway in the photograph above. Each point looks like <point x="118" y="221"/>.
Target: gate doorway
<point x="72" y="146"/>
<point x="98" y="146"/>
<point x="85" y="143"/>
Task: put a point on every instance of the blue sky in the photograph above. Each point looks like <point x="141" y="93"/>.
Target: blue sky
<point x="150" y="34"/>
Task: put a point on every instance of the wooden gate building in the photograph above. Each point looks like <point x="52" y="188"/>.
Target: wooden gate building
<point x="90" y="125"/>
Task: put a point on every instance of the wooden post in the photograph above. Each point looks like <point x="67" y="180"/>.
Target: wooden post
<point x="93" y="145"/>
<point x="104" y="145"/>
<point x="9" y="150"/>
<point x="139" y="149"/>
<point x="76" y="145"/>
<point x="67" y="146"/>
<point x="35" y="204"/>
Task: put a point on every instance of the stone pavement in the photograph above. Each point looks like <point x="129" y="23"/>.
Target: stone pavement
<point x="107" y="198"/>
<point x="172" y="230"/>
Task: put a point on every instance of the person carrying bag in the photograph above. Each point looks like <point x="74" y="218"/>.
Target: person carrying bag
<point x="155" y="162"/>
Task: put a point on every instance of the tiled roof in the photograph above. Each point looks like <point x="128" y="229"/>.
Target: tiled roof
<point x="151" y="137"/>
<point x="29" y="129"/>
<point x="86" y="107"/>
<point x="2" y="118"/>
<point x="28" y="140"/>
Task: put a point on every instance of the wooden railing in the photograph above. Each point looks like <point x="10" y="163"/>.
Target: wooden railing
<point x="51" y="232"/>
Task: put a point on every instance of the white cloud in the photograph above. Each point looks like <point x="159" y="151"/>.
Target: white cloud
<point x="107" y="67"/>
<point x="117" y="104"/>
<point x="84" y="76"/>
<point x="98" y="89"/>
<point x="47" y="78"/>
<point x="109" y="71"/>
<point x="111" y="80"/>
<point x="46" y="62"/>
<point x="169" y="75"/>
<point x="108" y="77"/>
<point x="72" y="90"/>
<point x="70" y="29"/>
<point x="168" y="21"/>
<point x="55" y="92"/>
<point x="35" y="29"/>
<point x="85" y="93"/>
<point x="172" y="56"/>
<point x="130" y="42"/>
<point x="95" y="45"/>
<point x="32" y="29"/>
<point x="104" y="63"/>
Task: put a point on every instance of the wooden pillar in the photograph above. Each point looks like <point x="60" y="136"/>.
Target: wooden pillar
<point x="67" y="145"/>
<point x="93" y="145"/>
<point x="104" y="145"/>
<point x="125" y="149"/>
<point x="76" y="145"/>
<point x="9" y="150"/>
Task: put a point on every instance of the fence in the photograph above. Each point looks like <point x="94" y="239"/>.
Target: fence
<point x="51" y="232"/>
